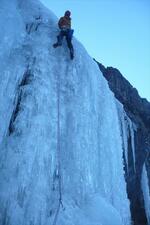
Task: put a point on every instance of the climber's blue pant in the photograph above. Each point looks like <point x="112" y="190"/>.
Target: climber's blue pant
<point x="68" y="33"/>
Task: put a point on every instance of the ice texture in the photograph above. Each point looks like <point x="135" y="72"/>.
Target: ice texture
<point x="59" y="128"/>
<point x="146" y="193"/>
<point x="128" y="130"/>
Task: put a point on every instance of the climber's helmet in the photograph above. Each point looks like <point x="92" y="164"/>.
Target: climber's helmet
<point x="68" y="13"/>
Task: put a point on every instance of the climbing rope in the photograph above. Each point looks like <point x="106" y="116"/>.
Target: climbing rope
<point x="58" y="151"/>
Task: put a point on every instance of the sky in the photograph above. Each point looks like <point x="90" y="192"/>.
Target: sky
<point x="114" y="32"/>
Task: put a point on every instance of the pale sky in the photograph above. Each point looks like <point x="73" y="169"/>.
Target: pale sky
<point x="115" y="32"/>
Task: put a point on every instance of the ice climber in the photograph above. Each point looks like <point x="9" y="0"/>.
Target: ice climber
<point x="64" y="24"/>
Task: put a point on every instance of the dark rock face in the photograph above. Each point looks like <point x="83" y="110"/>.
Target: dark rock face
<point x="138" y="110"/>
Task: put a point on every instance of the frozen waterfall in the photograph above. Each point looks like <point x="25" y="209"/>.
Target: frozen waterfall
<point x="59" y="130"/>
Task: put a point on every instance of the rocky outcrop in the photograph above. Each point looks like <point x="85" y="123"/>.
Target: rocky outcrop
<point x="138" y="110"/>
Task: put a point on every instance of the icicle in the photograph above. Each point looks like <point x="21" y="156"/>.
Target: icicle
<point x="125" y="137"/>
<point x="127" y="128"/>
<point x="146" y="192"/>
<point x="131" y="126"/>
<point x="124" y="130"/>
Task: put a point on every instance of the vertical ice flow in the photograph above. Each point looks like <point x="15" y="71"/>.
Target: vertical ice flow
<point x="146" y="193"/>
<point x="127" y="129"/>
<point x="90" y="148"/>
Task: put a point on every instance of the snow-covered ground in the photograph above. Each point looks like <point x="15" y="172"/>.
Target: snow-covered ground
<point x="59" y="128"/>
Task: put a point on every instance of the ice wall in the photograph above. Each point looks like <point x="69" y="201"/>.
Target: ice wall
<point x="61" y="135"/>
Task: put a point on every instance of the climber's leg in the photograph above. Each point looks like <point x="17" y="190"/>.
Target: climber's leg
<point x="69" y="43"/>
<point x="59" y="39"/>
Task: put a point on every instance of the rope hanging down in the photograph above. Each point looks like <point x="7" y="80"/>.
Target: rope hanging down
<point x="58" y="151"/>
